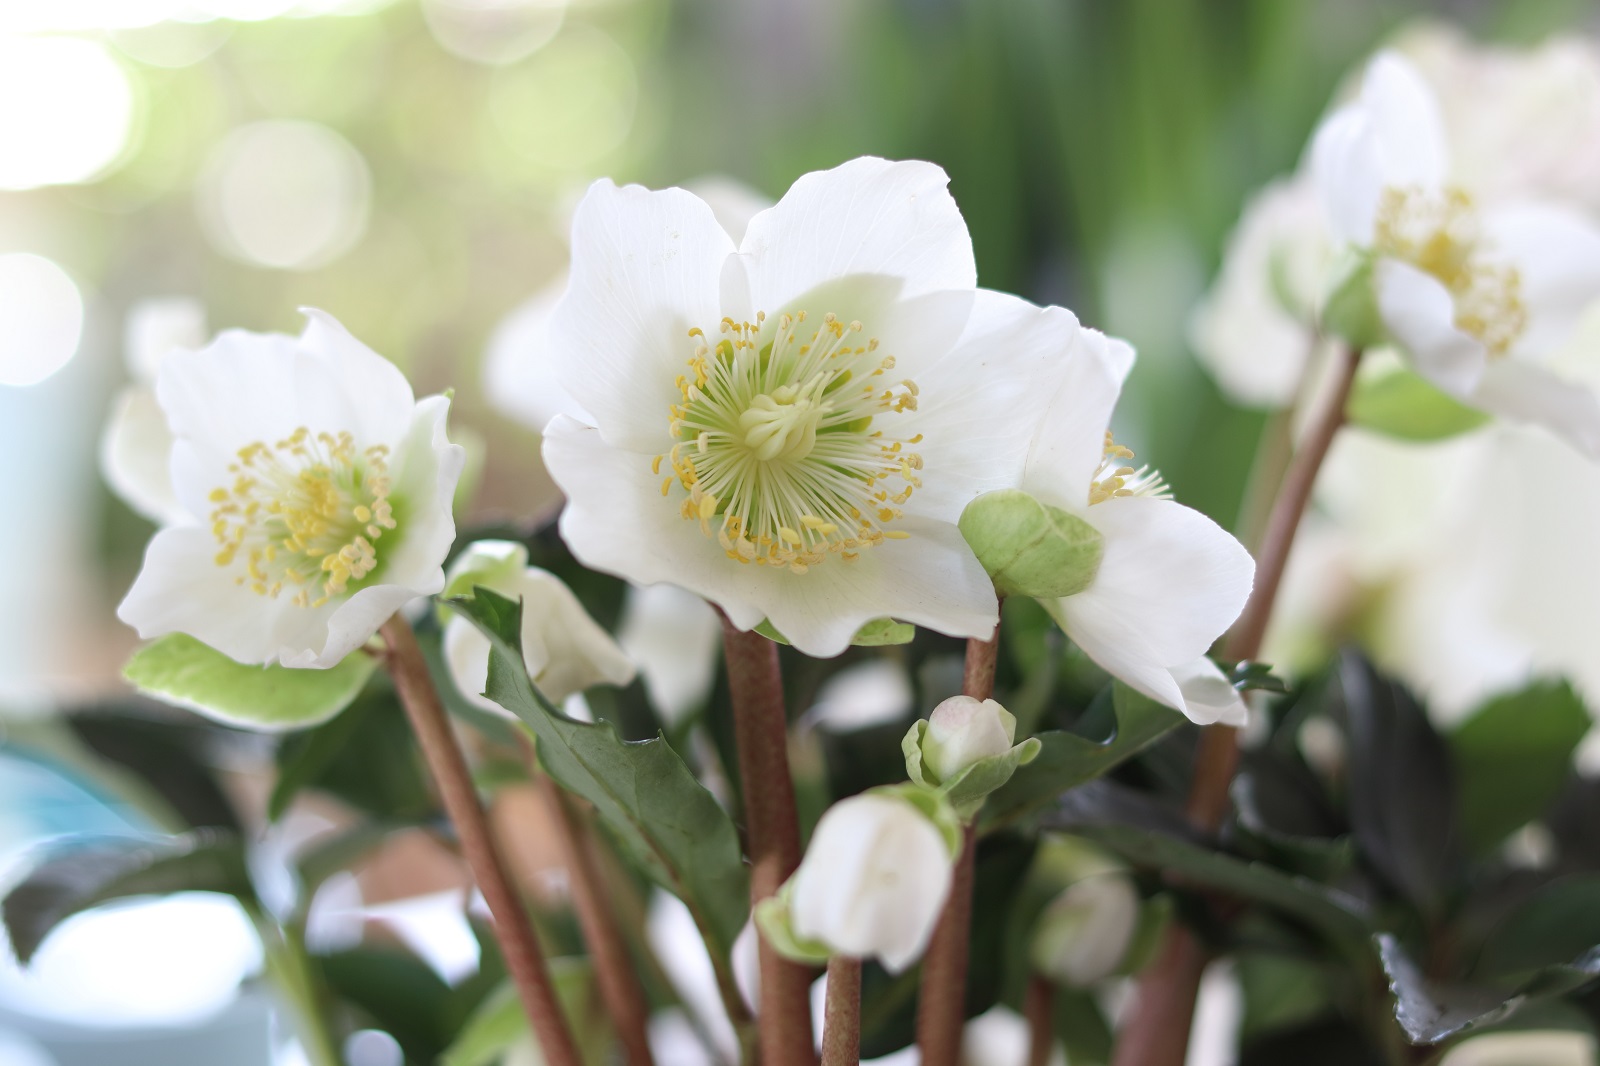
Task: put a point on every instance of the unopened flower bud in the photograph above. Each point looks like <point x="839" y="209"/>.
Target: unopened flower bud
<point x="1030" y="548"/>
<point x="962" y="730"/>
<point x="1085" y="933"/>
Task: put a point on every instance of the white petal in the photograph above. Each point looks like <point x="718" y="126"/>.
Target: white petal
<point x="378" y="393"/>
<point x="1344" y="162"/>
<point x="1528" y="393"/>
<point x="732" y="201"/>
<point x="867" y="216"/>
<point x="980" y="405"/>
<point x="1170" y="583"/>
<point x="135" y="456"/>
<point x="1208" y="695"/>
<point x="466" y="656"/>
<point x="520" y="367"/>
<point x="645" y="270"/>
<point x="566" y="650"/>
<point x="354" y="622"/>
<point x="1557" y="257"/>
<point x="616" y="520"/>
<point x="1420" y="314"/>
<point x="1071" y="438"/>
<point x="156" y="326"/>
<point x="674" y="636"/>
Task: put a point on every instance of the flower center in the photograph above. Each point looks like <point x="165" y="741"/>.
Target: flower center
<point x="1115" y="478"/>
<point x="776" y="452"/>
<point x="1438" y="233"/>
<point x="303" y="515"/>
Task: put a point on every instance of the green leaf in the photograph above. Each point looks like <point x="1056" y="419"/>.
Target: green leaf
<point x="180" y="670"/>
<point x="642" y="790"/>
<point x="499" y="1021"/>
<point x="88" y="874"/>
<point x="1030" y="548"/>
<point x="1066" y="760"/>
<point x="1556" y="925"/>
<point x="877" y="633"/>
<point x="1406" y="405"/>
<point x="1512" y="758"/>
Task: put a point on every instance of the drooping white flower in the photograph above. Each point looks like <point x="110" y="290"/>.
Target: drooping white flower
<point x="136" y="450"/>
<point x="792" y="428"/>
<point x="1476" y="292"/>
<point x="873" y="880"/>
<point x="316" y="492"/>
<point x="1084" y="933"/>
<point x="1535" y="1048"/>
<point x="520" y="366"/>
<point x="565" y="650"/>
<point x="674" y="637"/>
<point x="962" y="730"/>
<point x="1170" y="581"/>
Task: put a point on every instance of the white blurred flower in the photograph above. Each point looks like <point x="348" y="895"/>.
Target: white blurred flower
<point x="565" y="650"/>
<point x="1477" y="293"/>
<point x="1536" y="1048"/>
<point x="962" y="730"/>
<point x="1170" y="580"/>
<point x="316" y="492"/>
<point x="136" y="450"/>
<point x="873" y="693"/>
<point x="873" y="880"/>
<point x="1084" y="933"/>
<point x="674" y="637"/>
<point x="740" y="443"/>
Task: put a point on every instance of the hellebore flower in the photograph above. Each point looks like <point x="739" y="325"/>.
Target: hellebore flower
<point x="1477" y="294"/>
<point x="792" y="428"/>
<point x="316" y="492"/>
<point x="963" y="730"/>
<point x="1085" y="933"/>
<point x="566" y="651"/>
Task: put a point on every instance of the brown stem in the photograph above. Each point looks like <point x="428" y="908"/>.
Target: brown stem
<point x="942" y="1003"/>
<point x="614" y="972"/>
<point x="772" y="825"/>
<point x="1038" y="1007"/>
<point x="1156" y="1032"/>
<point x="524" y="960"/>
<point x="841" y="1015"/>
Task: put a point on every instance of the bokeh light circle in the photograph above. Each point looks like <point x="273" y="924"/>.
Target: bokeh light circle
<point x="41" y="318"/>
<point x="285" y="194"/>
<point x="496" y="32"/>
<point x="570" y="104"/>
<point x="66" y="110"/>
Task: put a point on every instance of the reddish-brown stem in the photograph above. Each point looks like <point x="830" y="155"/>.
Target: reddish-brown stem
<point x="1156" y="1032"/>
<point x="448" y="766"/>
<point x="772" y="829"/>
<point x="1038" y="1007"/>
<point x="941" y="1007"/>
<point x="614" y="971"/>
<point x="841" y="1014"/>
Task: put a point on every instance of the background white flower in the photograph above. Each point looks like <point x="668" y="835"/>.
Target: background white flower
<point x="1170" y="580"/>
<point x="791" y="429"/>
<point x="316" y="492"/>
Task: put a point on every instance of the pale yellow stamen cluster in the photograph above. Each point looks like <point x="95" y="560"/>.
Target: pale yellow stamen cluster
<point x="1115" y="478"/>
<point x="1438" y="233"/>
<point x="302" y="515"/>
<point x="776" y="452"/>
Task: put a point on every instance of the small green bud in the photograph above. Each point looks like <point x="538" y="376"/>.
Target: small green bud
<point x="1030" y="548"/>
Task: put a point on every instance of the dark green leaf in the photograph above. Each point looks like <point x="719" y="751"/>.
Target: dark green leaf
<point x="1066" y="760"/>
<point x="1557" y="924"/>
<point x="85" y="875"/>
<point x="643" y="791"/>
<point x="367" y="757"/>
<point x="168" y="756"/>
<point x="1513" y="756"/>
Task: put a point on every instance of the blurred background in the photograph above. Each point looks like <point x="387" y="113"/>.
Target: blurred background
<point x="409" y="166"/>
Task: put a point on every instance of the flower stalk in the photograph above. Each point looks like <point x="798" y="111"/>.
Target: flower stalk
<point x="448" y="767"/>
<point x="1038" y="1007"/>
<point x="1157" y="1031"/>
<point x="289" y="967"/>
<point x="941" y="1008"/>
<point x="841" y="1017"/>
<point x="772" y="824"/>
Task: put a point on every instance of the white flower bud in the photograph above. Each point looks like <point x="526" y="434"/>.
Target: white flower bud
<point x="963" y="730"/>
<point x="566" y="651"/>
<point x="1085" y="933"/>
<point x="873" y="880"/>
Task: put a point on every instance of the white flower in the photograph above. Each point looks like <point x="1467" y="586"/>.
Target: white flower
<point x="1475" y="292"/>
<point x="674" y="637"/>
<point x="1536" y="1048"/>
<point x="565" y="650"/>
<point x="520" y="367"/>
<point x="962" y="730"/>
<point x="792" y="428"/>
<point x="316" y="493"/>
<point x="873" y="880"/>
<point x="136" y="451"/>
<point x="1170" y="580"/>
<point x="1085" y="932"/>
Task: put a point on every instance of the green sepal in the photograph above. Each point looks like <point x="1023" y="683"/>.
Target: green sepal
<point x="1351" y="308"/>
<point x="878" y="633"/>
<point x="1030" y="548"/>
<point x="933" y="806"/>
<point x="492" y="564"/>
<point x="966" y="791"/>
<point x="180" y="670"/>
<point x="775" y="919"/>
<point x="1405" y="405"/>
